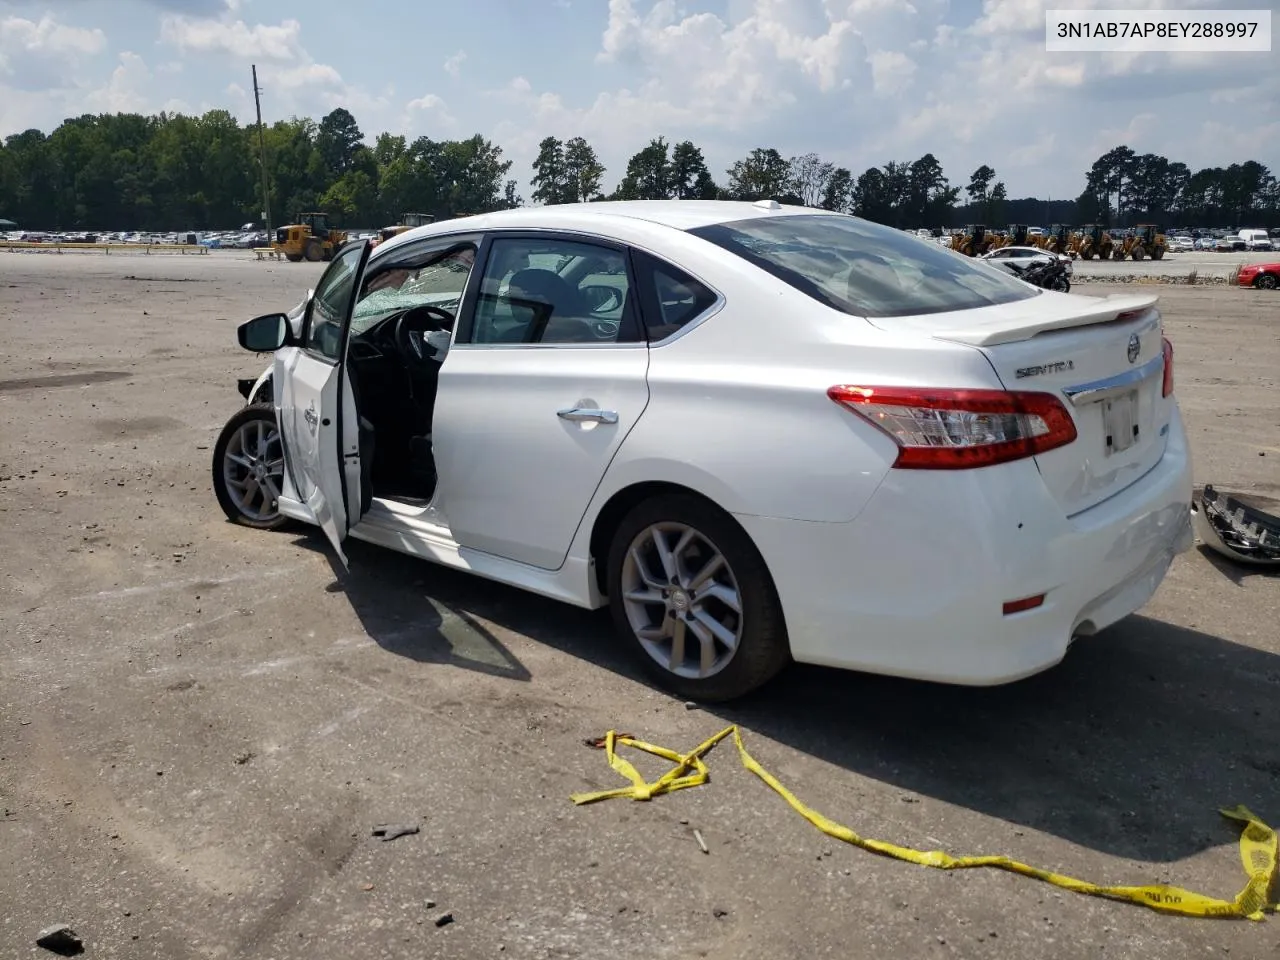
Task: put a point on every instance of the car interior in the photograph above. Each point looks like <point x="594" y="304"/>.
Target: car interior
<point x="404" y="317"/>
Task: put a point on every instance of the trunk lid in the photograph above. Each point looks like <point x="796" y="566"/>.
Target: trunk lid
<point x="1103" y="357"/>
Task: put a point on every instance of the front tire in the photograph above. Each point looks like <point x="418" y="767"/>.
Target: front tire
<point x="248" y="468"/>
<point x="314" y="252"/>
<point x="1265" y="281"/>
<point x="693" y="598"/>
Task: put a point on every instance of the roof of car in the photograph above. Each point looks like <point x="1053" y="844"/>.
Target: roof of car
<point x="678" y="214"/>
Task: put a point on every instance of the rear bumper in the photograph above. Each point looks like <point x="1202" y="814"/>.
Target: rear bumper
<point x="915" y="585"/>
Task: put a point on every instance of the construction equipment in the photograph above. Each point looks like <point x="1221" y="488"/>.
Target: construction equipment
<point x="1094" y="242"/>
<point x="974" y="241"/>
<point x="407" y="222"/>
<point x="1057" y="240"/>
<point x="1149" y="242"/>
<point x="311" y="238"/>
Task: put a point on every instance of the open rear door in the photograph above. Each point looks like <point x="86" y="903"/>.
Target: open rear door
<point x="318" y="417"/>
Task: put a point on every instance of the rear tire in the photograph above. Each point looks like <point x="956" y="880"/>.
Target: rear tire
<point x="1157" y="253"/>
<point x="711" y="566"/>
<point x="248" y="468"/>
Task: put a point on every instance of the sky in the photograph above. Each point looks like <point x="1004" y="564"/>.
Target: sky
<point x="861" y="82"/>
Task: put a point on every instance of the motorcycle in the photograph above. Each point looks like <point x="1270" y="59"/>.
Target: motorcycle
<point x="1049" y="274"/>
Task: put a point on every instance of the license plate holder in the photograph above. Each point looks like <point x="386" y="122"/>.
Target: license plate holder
<point x="1120" y="422"/>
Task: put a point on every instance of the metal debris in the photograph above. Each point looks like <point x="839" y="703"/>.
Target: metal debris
<point x="390" y="831"/>
<point x="1236" y="527"/>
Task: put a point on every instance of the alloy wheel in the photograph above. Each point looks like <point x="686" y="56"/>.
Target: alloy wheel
<point x="682" y="600"/>
<point x="253" y="469"/>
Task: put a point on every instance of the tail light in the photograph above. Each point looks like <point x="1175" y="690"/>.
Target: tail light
<point x="959" y="429"/>
<point x="1167" y="349"/>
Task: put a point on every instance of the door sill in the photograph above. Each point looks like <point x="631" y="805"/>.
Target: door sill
<point x="423" y="532"/>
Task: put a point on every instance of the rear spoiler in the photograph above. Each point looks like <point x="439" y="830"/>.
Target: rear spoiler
<point x="1024" y="319"/>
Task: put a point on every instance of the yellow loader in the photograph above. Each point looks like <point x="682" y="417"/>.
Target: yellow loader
<point x="311" y="238"/>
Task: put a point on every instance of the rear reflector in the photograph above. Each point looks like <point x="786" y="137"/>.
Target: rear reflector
<point x="1026" y="603"/>
<point x="959" y="429"/>
<point x="1167" y="347"/>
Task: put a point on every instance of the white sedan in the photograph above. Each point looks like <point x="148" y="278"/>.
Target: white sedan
<point x="757" y="433"/>
<point x="1023" y="257"/>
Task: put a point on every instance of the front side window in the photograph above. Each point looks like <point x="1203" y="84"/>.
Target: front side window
<point x="864" y="268"/>
<point x="553" y="290"/>
<point x="436" y="276"/>
<point x="330" y="304"/>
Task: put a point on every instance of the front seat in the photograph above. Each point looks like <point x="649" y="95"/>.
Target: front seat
<point x="566" y="307"/>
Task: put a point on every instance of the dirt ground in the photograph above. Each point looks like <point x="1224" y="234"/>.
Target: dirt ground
<point x="200" y="724"/>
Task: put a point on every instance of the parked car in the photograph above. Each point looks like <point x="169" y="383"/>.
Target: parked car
<point x="1264" y="276"/>
<point x="1181" y="244"/>
<point x="1256" y="240"/>
<point x="1024" y="257"/>
<point x="756" y="433"/>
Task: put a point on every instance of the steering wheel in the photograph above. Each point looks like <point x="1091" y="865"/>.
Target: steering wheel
<point x="410" y="327"/>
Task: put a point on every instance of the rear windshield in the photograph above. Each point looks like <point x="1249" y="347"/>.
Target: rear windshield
<point x="864" y="268"/>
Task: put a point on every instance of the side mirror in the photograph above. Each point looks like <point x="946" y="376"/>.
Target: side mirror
<point x="264" y="334"/>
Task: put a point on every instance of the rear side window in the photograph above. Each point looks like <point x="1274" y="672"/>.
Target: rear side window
<point x="864" y="268"/>
<point x="671" y="298"/>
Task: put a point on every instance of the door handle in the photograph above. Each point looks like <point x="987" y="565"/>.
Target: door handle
<point x="587" y="415"/>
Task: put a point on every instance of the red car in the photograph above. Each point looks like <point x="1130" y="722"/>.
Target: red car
<point x="1264" y="276"/>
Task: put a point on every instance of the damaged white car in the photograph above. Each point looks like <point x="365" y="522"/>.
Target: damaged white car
<point x="757" y="433"/>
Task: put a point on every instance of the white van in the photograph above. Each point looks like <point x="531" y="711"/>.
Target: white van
<point x="1255" y="239"/>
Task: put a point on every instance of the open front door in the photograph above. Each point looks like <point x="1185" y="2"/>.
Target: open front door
<point x="318" y="417"/>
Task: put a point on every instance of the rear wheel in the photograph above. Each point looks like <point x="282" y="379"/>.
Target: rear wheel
<point x="1266" y="281"/>
<point x="1157" y="253"/>
<point x="314" y="252"/>
<point x="693" y="598"/>
<point x="248" y="468"/>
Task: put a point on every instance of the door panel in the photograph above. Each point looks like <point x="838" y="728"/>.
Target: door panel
<point x="320" y="433"/>
<point x="522" y="439"/>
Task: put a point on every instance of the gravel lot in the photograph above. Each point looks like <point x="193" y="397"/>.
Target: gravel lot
<point x="1204" y="263"/>
<point x="200" y="724"/>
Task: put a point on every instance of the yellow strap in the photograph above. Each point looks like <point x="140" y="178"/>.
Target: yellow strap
<point x="1258" y="843"/>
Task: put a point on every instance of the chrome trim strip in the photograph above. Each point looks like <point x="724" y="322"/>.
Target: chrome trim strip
<point x="1113" y="386"/>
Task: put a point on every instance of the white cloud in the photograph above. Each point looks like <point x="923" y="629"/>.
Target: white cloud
<point x="36" y="54"/>
<point x="453" y="66"/>
<point x="234" y="37"/>
<point x="892" y="71"/>
<point x="49" y="36"/>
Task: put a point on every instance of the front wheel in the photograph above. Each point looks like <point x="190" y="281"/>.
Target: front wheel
<point x="314" y="252"/>
<point x="1265" y="281"/>
<point x="248" y="468"/>
<point x="692" y="596"/>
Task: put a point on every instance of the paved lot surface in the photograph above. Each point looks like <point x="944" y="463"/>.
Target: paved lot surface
<point x="200" y="724"/>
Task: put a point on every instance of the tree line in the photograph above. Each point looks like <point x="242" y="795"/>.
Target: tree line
<point x="172" y="171"/>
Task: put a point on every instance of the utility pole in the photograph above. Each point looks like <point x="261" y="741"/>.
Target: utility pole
<point x="262" y="157"/>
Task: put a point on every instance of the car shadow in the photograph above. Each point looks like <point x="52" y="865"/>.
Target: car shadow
<point x="1130" y="746"/>
<point x="389" y="595"/>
